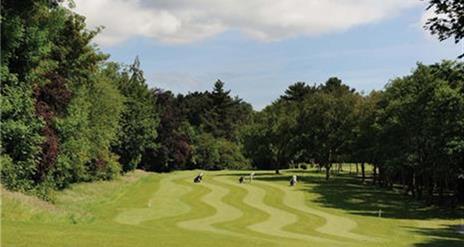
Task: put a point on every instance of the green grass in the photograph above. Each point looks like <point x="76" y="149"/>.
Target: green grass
<point x="148" y="209"/>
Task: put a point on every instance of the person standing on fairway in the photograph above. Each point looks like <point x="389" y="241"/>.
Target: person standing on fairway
<point x="293" y="181"/>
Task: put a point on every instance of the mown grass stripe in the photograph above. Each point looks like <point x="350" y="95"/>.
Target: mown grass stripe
<point x="165" y="202"/>
<point x="223" y="212"/>
<point x="334" y="225"/>
<point x="105" y="200"/>
<point x="278" y="218"/>
<point x="251" y="215"/>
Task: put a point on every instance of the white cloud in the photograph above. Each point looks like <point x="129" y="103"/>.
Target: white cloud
<point x="183" y="21"/>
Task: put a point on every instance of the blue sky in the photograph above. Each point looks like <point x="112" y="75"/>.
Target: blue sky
<point x="364" y="55"/>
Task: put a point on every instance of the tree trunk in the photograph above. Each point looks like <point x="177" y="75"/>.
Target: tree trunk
<point x="430" y="189"/>
<point x="374" y="175"/>
<point x="413" y="184"/>
<point x="380" y="176"/>
<point x="327" y="172"/>
<point x="440" y="192"/>
<point x="460" y="189"/>
<point x="420" y="186"/>
<point x="390" y="184"/>
<point x="363" y="171"/>
<point x="403" y="181"/>
<point x="357" y="169"/>
<point x="383" y="179"/>
<point x="419" y="192"/>
<point x="447" y="187"/>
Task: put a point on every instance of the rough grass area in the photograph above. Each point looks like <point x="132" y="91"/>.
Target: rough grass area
<point x="147" y="209"/>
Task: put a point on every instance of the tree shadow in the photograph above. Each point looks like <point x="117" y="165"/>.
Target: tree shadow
<point x="448" y="236"/>
<point x="351" y="194"/>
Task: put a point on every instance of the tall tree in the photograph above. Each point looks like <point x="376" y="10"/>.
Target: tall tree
<point x="174" y="149"/>
<point x="269" y="140"/>
<point x="50" y="133"/>
<point x="297" y="92"/>
<point x="422" y="128"/>
<point x="326" y="123"/>
<point x="225" y="114"/>
<point x="364" y="146"/>
<point x="448" y="21"/>
<point x="138" y="121"/>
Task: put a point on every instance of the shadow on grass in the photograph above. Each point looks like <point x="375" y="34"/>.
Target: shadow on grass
<point x="448" y="236"/>
<point x="349" y="193"/>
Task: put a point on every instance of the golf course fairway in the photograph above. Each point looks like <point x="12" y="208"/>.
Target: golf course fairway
<point x="152" y="209"/>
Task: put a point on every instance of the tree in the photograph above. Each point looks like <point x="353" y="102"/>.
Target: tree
<point x="194" y="106"/>
<point x="23" y="57"/>
<point x="139" y="121"/>
<point x="104" y="117"/>
<point x="326" y="123"/>
<point x="448" y="21"/>
<point x="224" y="114"/>
<point x="422" y="129"/>
<point x="212" y="153"/>
<point x="364" y="146"/>
<point x="217" y="119"/>
<point x="269" y="140"/>
<point x="297" y="92"/>
<point x="174" y="149"/>
<point x="52" y="128"/>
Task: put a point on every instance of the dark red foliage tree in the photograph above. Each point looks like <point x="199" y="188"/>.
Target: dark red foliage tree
<point x="51" y="99"/>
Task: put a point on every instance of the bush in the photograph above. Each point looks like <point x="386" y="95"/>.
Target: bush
<point x="13" y="175"/>
<point x="112" y="169"/>
<point x="105" y="167"/>
<point x="303" y="166"/>
<point x="20" y="134"/>
<point x="216" y="154"/>
<point x="231" y="157"/>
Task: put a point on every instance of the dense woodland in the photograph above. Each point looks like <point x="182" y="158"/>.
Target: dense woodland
<point x="68" y="115"/>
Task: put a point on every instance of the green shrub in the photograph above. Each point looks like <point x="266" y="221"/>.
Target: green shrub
<point x="231" y="157"/>
<point x="217" y="153"/>
<point x="14" y="174"/>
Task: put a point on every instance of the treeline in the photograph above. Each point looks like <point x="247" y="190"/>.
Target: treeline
<point x="200" y="130"/>
<point x="60" y="103"/>
<point x="412" y="132"/>
<point x="69" y="115"/>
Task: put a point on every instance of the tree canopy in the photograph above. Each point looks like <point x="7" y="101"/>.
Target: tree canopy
<point x="448" y="20"/>
<point x="69" y="115"/>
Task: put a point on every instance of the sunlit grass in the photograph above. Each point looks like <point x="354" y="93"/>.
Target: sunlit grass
<point x="147" y="209"/>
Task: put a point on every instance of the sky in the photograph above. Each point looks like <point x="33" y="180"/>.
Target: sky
<point x="260" y="47"/>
